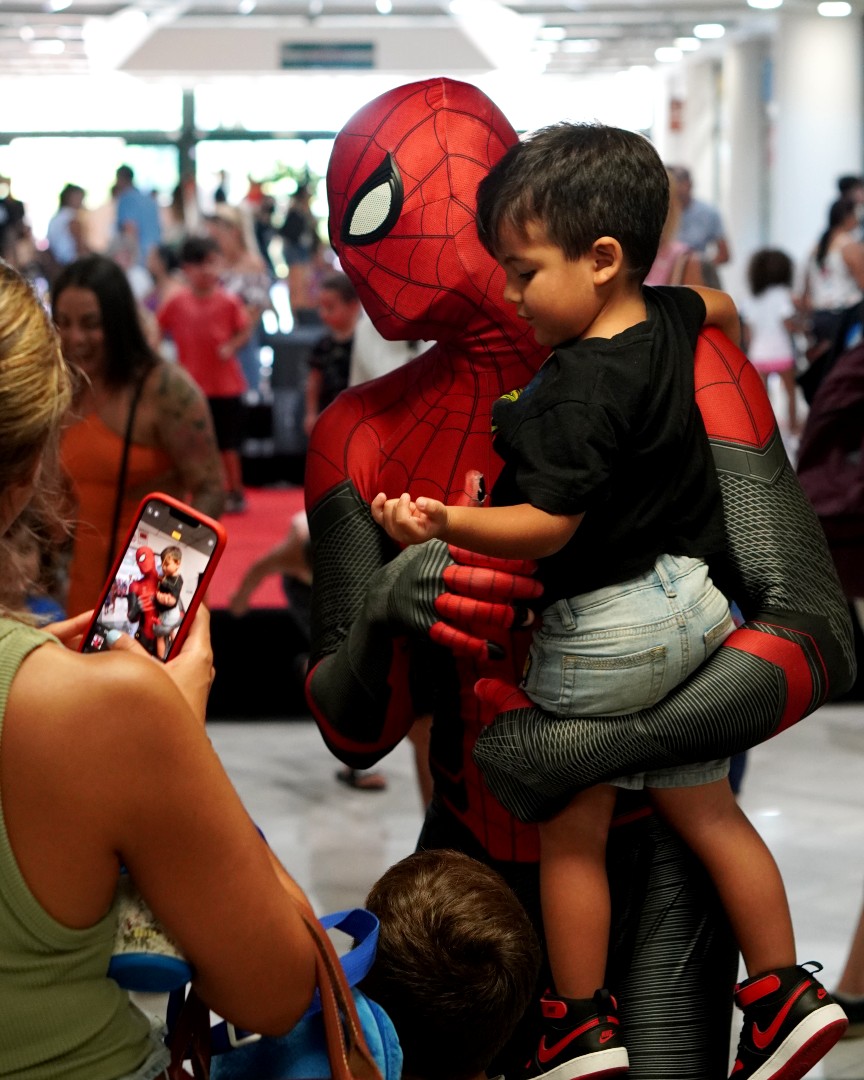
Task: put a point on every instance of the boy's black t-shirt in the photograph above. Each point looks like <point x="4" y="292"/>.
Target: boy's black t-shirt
<point x="610" y="427"/>
<point x="173" y="585"/>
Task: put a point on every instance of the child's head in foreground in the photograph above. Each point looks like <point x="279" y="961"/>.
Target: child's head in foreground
<point x="456" y="965"/>
<point x="579" y="182"/>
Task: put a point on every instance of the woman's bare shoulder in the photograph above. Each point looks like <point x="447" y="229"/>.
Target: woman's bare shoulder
<point x="78" y="698"/>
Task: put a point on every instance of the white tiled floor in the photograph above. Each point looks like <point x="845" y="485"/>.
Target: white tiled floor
<point x="802" y="790"/>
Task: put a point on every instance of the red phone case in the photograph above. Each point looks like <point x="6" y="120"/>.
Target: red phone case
<point x="201" y="589"/>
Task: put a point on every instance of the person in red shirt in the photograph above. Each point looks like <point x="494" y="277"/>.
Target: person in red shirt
<point x="208" y="325"/>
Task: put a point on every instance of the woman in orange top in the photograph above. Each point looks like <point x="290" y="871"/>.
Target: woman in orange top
<point x="123" y="385"/>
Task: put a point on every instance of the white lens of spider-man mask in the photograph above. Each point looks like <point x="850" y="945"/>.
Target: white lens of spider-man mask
<point x="375" y="206"/>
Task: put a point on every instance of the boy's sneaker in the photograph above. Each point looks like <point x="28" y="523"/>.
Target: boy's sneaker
<point x="854" y="1009"/>
<point x="790" y="1023"/>
<point x="581" y="1039"/>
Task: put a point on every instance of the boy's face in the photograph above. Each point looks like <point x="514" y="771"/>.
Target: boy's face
<point x="556" y="295"/>
<point x="203" y="277"/>
<point x="170" y="565"/>
<point x="338" y="315"/>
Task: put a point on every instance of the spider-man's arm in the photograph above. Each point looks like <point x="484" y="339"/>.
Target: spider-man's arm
<point x="369" y="599"/>
<point x="793" y="653"/>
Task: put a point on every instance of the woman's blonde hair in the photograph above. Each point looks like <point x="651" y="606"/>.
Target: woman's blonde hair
<point x="35" y="387"/>
<point x="35" y="391"/>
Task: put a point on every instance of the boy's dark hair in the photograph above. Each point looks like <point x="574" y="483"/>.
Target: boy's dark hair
<point x="341" y="284"/>
<point x="456" y="965"/>
<point x="768" y="267"/>
<point x="580" y="181"/>
<point x="197" y="249"/>
<point x="847" y="185"/>
<point x="173" y="551"/>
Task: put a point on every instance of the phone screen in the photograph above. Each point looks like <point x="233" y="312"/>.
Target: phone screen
<point x="158" y="575"/>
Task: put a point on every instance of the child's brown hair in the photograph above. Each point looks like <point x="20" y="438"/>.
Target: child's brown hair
<point x="456" y="965"/>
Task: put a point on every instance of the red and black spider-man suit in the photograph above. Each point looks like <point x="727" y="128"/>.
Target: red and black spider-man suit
<point x="401" y="185"/>
<point x="142" y="598"/>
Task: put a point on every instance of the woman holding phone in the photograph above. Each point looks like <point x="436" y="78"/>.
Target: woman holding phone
<point x="138" y="422"/>
<point x="88" y="783"/>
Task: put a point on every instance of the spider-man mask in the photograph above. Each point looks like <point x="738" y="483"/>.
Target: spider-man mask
<point x="146" y="561"/>
<point x="402" y="185"/>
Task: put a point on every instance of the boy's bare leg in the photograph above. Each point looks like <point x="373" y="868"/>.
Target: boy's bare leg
<point x="742" y="868"/>
<point x="852" y="979"/>
<point x="574" y="891"/>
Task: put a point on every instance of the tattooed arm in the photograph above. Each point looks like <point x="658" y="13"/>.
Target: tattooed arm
<point x="183" y="428"/>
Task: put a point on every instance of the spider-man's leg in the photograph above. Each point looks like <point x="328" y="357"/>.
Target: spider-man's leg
<point x="673" y="959"/>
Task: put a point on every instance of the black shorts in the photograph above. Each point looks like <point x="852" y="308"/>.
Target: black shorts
<point x="227" y="415"/>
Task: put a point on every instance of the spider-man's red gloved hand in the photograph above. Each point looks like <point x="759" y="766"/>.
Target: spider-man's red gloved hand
<point x="457" y="598"/>
<point x="484" y="595"/>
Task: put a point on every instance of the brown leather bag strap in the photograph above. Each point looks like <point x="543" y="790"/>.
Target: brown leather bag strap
<point x="347" y="1049"/>
<point x="191" y="1039"/>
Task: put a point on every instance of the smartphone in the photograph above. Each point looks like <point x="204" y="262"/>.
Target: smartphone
<point x="159" y="578"/>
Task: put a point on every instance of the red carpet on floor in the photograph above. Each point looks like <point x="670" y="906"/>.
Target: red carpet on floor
<point x="251" y="535"/>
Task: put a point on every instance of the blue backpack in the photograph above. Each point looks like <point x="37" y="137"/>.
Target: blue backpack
<point x="309" y="1050"/>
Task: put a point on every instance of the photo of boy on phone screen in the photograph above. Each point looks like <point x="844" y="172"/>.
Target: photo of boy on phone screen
<point x="169" y="607"/>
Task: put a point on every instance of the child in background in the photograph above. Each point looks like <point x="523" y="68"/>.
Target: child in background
<point x="330" y="360"/>
<point x="208" y="325"/>
<point x="770" y="321"/>
<point x="168" y="605"/>
<point x="609" y="481"/>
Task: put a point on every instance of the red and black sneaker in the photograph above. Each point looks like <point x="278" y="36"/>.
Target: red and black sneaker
<point x="581" y="1039"/>
<point x="790" y="1023"/>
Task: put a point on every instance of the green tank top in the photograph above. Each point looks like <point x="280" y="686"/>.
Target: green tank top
<point x="61" y="1017"/>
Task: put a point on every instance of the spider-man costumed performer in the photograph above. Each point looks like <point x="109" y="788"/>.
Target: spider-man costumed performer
<point x="141" y="599"/>
<point x="401" y="184"/>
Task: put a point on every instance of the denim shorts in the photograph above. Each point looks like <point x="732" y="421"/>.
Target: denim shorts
<point x="624" y="647"/>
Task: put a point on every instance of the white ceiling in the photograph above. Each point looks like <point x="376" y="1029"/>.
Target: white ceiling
<point x="419" y="37"/>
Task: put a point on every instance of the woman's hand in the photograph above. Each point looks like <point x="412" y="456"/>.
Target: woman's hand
<point x="191" y="668"/>
<point x="70" y="631"/>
